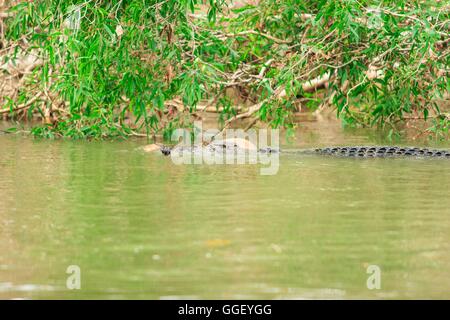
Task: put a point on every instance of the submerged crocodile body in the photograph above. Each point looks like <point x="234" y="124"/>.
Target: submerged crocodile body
<point x="343" y="151"/>
<point x="383" y="151"/>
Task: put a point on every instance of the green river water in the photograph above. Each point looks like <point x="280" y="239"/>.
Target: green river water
<point x="139" y="226"/>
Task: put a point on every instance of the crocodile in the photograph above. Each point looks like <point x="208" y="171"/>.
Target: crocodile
<point x="338" y="151"/>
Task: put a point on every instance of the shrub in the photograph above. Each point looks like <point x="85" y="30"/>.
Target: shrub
<point x="117" y="68"/>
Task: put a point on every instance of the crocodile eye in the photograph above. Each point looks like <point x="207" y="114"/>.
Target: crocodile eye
<point x="165" y="151"/>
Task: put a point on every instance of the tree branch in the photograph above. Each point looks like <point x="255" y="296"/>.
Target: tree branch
<point x="22" y="106"/>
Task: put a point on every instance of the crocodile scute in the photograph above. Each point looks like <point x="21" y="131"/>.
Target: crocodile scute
<point x="382" y="151"/>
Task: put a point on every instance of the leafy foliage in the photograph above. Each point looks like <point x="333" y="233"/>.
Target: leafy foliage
<point x="117" y="68"/>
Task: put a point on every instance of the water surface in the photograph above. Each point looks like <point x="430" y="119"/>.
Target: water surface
<point x="139" y="226"/>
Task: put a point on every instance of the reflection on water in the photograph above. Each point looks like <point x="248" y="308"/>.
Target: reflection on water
<point x="140" y="227"/>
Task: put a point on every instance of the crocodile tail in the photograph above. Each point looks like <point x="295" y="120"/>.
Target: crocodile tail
<point x="384" y="151"/>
